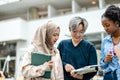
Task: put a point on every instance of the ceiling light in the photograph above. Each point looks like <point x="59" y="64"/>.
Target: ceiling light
<point x="93" y="2"/>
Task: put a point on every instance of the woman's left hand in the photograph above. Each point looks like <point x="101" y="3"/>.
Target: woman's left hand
<point x="50" y="63"/>
<point x="78" y="76"/>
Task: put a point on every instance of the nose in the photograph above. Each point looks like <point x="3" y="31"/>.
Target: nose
<point x="105" y="28"/>
<point x="78" y="34"/>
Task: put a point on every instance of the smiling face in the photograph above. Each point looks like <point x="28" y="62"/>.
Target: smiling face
<point x="109" y="26"/>
<point x="55" y="36"/>
<point x="78" y="33"/>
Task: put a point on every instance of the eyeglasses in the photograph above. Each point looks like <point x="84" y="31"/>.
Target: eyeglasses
<point x="79" y="32"/>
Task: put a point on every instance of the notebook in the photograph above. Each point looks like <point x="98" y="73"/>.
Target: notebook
<point x="38" y="58"/>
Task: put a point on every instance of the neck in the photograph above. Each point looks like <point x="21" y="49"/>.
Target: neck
<point x="49" y="46"/>
<point x="75" y="43"/>
<point x="116" y="37"/>
<point x="116" y="34"/>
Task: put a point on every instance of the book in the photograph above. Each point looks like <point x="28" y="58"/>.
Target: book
<point x="87" y="69"/>
<point x="38" y="58"/>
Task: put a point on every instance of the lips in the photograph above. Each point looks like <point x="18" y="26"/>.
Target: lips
<point x="54" y="41"/>
<point x="108" y="32"/>
<point x="77" y="37"/>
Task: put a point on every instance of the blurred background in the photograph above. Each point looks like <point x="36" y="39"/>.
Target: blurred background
<point x="19" y="20"/>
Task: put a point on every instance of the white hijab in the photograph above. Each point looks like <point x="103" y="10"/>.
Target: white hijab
<point x="42" y="37"/>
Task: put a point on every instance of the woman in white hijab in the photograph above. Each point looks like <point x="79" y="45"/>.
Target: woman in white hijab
<point x="43" y="41"/>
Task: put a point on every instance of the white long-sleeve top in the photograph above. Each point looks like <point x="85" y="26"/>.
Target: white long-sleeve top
<point x="31" y="72"/>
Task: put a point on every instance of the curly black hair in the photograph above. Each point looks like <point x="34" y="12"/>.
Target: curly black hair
<point x="113" y="13"/>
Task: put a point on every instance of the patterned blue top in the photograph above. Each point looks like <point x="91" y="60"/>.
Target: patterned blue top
<point x="107" y="47"/>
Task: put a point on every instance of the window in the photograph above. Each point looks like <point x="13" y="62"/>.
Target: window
<point x="5" y="50"/>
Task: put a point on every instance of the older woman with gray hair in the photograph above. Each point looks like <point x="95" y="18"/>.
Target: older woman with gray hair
<point x="77" y="52"/>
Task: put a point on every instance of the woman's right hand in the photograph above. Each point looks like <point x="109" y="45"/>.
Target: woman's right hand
<point x="69" y="67"/>
<point x="108" y="58"/>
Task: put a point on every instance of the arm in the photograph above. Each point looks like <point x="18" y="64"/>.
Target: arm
<point x="66" y="66"/>
<point x="60" y="48"/>
<point x="60" y="67"/>
<point x="102" y="63"/>
<point x="92" y="61"/>
<point x="30" y="71"/>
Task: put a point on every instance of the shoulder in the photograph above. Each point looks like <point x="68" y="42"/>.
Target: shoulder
<point x="107" y="39"/>
<point x="29" y="49"/>
<point x="88" y="45"/>
<point x="65" y="41"/>
<point x="85" y="42"/>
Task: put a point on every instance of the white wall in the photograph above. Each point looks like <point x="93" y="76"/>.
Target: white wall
<point x="18" y="29"/>
<point x="13" y="29"/>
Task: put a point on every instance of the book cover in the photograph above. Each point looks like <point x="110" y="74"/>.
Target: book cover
<point x="38" y="58"/>
<point x="87" y="69"/>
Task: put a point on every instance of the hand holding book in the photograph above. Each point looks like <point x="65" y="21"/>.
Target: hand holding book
<point x="78" y="76"/>
<point x="50" y="64"/>
<point x="70" y="68"/>
<point x="86" y="69"/>
<point x="40" y="59"/>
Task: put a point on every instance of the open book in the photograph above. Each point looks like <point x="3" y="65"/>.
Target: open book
<point x="87" y="69"/>
<point x="38" y="58"/>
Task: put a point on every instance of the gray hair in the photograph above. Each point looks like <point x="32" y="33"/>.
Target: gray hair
<point x="76" y="21"/>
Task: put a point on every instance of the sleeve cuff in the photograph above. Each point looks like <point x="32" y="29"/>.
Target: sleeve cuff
<point x="103" y="64"/>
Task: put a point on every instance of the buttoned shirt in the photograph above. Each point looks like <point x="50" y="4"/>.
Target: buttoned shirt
<point x="107" y="47"/>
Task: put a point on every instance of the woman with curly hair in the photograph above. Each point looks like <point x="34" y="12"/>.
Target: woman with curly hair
<point x="111" y="44"/>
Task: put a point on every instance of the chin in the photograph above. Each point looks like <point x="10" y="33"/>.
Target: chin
<point x="77" y="40"/>
<point x="53" y="43"/>
<point x="108" y="33"/>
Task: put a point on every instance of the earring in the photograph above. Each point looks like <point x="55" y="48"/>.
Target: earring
<point x="117" y="25"/>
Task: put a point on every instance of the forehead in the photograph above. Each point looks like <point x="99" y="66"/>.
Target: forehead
<point x="106" y="20"/>
<point x="57" y="30"/>
<point x="80" y="27"/>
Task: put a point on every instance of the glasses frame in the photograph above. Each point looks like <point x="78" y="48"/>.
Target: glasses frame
<point x="78" y="32"/>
